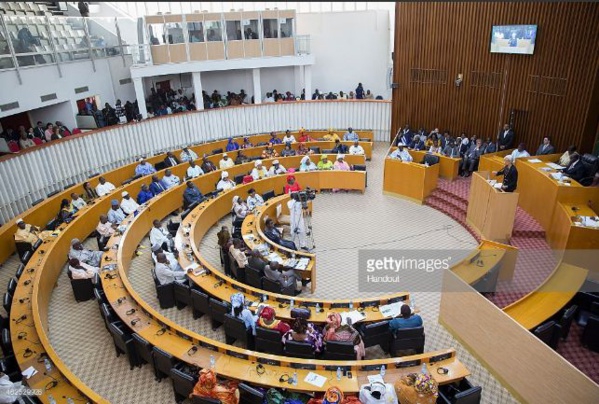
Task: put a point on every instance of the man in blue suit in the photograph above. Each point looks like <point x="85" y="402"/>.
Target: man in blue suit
<point x="157" y="186"/>
<point x="144" y="195"/>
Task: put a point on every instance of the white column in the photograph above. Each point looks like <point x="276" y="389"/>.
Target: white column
<point x="308" y="81"/>
<point x="298" y="75"/>
<point x="138" y="84"/>
<point x="196" y="81"/>
<point x="257" y="86"/>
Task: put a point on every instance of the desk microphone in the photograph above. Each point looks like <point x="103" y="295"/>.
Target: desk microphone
<point x="575" y="208"/>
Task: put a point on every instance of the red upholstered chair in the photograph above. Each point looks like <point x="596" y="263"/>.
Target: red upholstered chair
<point x="13" y="146"/>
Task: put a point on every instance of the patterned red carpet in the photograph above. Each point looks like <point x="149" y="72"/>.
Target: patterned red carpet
<point x="535" y="263"/>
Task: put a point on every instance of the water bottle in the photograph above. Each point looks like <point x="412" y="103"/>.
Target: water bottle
<point x="383" y="371"/>
<point x="424" y="370"/>
<point x="291" y="303"/>
<point x="48" y="365"/>
<point x="51" y="399"/>
<point x="295" y="378"/>
<point x="264" y="298"/>
<point x="338" y="373"/>
<point x="212" y="361"/>
<point x="412" y="303"/>
<point x="70" y="401"/>
<point x="317" y="308"/>
<point x="351" y="305"/>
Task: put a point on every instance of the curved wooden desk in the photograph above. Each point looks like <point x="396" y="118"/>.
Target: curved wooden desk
<point x="549" y="298"/>
<point x="409" y="180"/>
<point x="448" y="166"/>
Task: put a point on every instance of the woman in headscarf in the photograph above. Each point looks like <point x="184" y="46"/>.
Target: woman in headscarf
<point x="240" y="208"/>
<point x="292" y="185"/>
<point x="66" y="212"/>
<point x="340" y="165"/>
<point x="331" y="136"/>
<point x="334" y="331"/>
<point x="267" y="320"/>
<point x="225" y="183"/>
<point x="208" y="386"/>
<point x="302" y="150"/>
<point x="324" y="163"/>
<point x="287" y="151"/>
<point x="269" y="152"/>
<point x="246" y="143"/>
<point x="302" y="331"/>
<point x="307" y="165"/>
<point x="232" y="145"/>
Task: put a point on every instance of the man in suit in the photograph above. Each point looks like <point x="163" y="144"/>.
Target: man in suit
<point x="490" y="147"/>
<point x="275" y="235"/>
<point x="546" y="147"/>
<point x="285" y="276"/>
<point x="157" y="186"/>
<point x="405" y="135"/>
<point x="39" y="131"/>
<point x="171" y="160"/>
<point x="505" y="137"/>
<point x="471" y="158"/>
<point x="576" y="169"/>
<point x="510" y="175"/>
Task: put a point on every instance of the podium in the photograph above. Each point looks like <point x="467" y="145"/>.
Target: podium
<point x="411" y="180"/>
<point x="491" y="212"/>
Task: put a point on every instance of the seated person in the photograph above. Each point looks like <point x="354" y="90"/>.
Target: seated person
<point x="302" y="150"/>
<point x="225" y="162"/>
<point x="81" y="270"/>
<point x="188" y="155"/>
<point x="331" y="136"/>
<point x="256" y="261"/>
<point x="307" y="165"/>
<point x="161" y="236"/>
<point x="276" y="169"/>
<point x="242" y="158"/>
<point x="115" y="213"/>
<point x="304" y="136"/>
<point x="77" y="201"/>
<point x="157" y="186"/>
<point x="246" y="143"/>
<point x="259" y="171"/>
<point x="341" y="164"/>
<point x="546" y="147"/>
<point x="27" y="233"/>
<point x="575" y="169"/>
<point x="207" y="165"/>
<point x="510" y="175"/>
<point x="66" y="212"/>
<point x="104" y="187"/>
<point x="350" y="135"/>
<point x="274" y="139"/>
<point x="170" y="160"/>
<point x="276" y="236"/>
<point x="340" y="148"/>
<point x="232" y="145"/>
<point x="292" y="185"/>
<point x="225" y="183"/>
<point x="334" y="331"/>
<point x="287" y="151"/>
<point x="193" y="170"/>
<point x="104" y="228"/>
<point x="302" y="331"/>
<point x="239" y="208"/>
<point x="564" y="160"/>
<point x="241" y="312"/>
<point x="520" y="152"/>
<point x="406" y="319"/>
<point x="401" y="153"/>
<point x="170" y="180"/>
<point x="144" y="168"/>
<point x="288" y="138"/>
<point x="452" y="149"/>
<point x="356" y="149"/>
<point x="285" y="276"/>
<point x="192" y="194"/>
<point x="405" y="135"/>
<point x="435" y="148"/>
<point x="238" y="252"/>
<point x="267" y="320"/>
<point x="417" y="143"/>
<point x="171" y="257"/>
<point x="325" y="163"/>
<point x="144" y="195"/>
<point x="471" y="158"/>
<point x="90" y="193"/>
<point x="254" y="200"/>
<point x="164" y="273"/>
<point x="490" y="147"/>
<point x="269" y="152"/>
<point x="90" y="257"/>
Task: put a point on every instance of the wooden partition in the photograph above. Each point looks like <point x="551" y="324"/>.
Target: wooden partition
<point x="448" y="166"/>
<point x="528" y="368"/>
<point x="411" y="180"/>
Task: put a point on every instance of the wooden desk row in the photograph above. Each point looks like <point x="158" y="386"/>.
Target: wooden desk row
<point x="409" y="180"/>
<point x="45" y="211"/>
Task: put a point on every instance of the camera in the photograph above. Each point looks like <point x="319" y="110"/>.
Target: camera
<point x="304" y="196"/>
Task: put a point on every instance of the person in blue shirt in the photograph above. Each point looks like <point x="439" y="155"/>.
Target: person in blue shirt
<point x="192" y="194"/>
<point x="144" y="195"/>
<point x="232" y="145"/>
<point x="157" y="186"/>
<point x="406" y="320"/>
<point x="350" y="135"/>
<point x="144" y="168"/>
<point x="274" y="139"/>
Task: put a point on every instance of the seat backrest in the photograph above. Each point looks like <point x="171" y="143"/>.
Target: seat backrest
<point x="566" y="320"/>
<point x="7" y="302"/>
<point x="161" y="165"/>
<point x="253" y="277"/>
<point x="37" y="202"/>
<point x="372" y="329"/>
<point x="25" y="258"/>
<point x="69" y="186"/>
<point x="591" y="164"/>
<point x="431" y="159"/>
<point x="269" y="335"/>
<point x="315" y="149"/>
<point x="20" y="270"/>
<point x="204" y="400"/>
<point x="470" y="396"/>
<point x="22" y="247"/>
<point x="359" y="167"/>
<point x="340" y="347"/>
<point x="118" y="335"/>
<point x="12" y="285"/>
<point x="51" y="194"/>
<point x="239" y="178"/>
<point x="271" y="286"/>
<point x="217" y="151"/>
<point x="200" y="301"/>
<point x="249" y="395"/>
<point x="218" y="310"/>
<point x="268" y="195"/>
<point x="299" y="349"/>
<point x="51" y="225"/>
<point x="408" y="333"/>
<point x="163" y="361"/>
<point x="144" y="348"/>
<point x="183" y="383"/>
<point x="327" y="151"/>
<point x="549" y="333"/>
<point x="234" y="326"/>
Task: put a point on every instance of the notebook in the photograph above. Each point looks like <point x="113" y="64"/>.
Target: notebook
<point x="534" y="161"/>
<point x="555" y="166"/>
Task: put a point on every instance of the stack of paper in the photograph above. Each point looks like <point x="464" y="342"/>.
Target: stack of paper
<point x="315" y="379"/>
<point x="555" y="166"/>
<point x="390" y="310"/>
<point x="354" y="316"/>
<point x="498" y="185"/>
<point x="302" y="263"/>
<point x="590" y="221"/>
<point x="557" y="176"/>
<point x="30" y="371"/>
<point x="534" y="161"/>
<point x="192" y="266"/>
<point x="273" y="256"/>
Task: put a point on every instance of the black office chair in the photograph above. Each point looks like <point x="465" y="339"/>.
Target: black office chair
<point x="204" y="400"/>
<point x="549" y="333"/>
<point x="459" y="393"/>
<point x="268" y="195"/>
<point x="93" y="175"/>
<point x="183" y="384"/>
<point x="218" y="310"/>
<point x="584" y="315"/>
<point x="217" y="151"/>
<point x="182" y="295"/>
<point x="268" y="341"/>
<point x="109" y="316"/>
<point x="299" y="349"/>
<point x="185" y="213"/>
<point x="165" y="293"/>
<point x="22" y="248"/>
<point x="376" y="334"/>
<point x="10" y="367"/>
<point x="431" y="159"/>
<point x="51" y="194"/>
<point x="326" y="151"/>
<point x="235" y="330"/>
<point x="100" y="296"/>
<point x="591" y="165"/>
<point x="144" y="350"/>
<point x="20" y="270"/>
<point x="7" y="302"/>
<point x="407" y="339"/>
<point x="123" y="343"/>
<point x="566" y="320"/>
<point x="339" y="350"/>
<point x="249" y="395"/>
<point x="51" y="225"/>
<point x="6" y="342"/>
<point x="200" y="304"/>
<point x="12" y="285"/>
<point x="253" y="277"/>
<point x="397" y="299"/>
<point x="83" y="289"/>
<point x="315" y="149"/>
<point x="26" y="256"/>
<point x="364" y="139"/>
<point x="163" y="362"/>
<point x="238" y="179"/>
<point x="174" y="227"/>
<point x="590" y="334"/>
<point x="161" y="165"/>
<point x="37" y="202"/>
<point x="276" y="287"/>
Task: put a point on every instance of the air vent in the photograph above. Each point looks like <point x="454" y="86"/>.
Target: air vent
<point x="80" y="90"/>
<point x="428" y="76"/>
<point x="485" y="79"/>
<point x="556" y="86"/>
<point x="48" y="97"/>
<point x="9" y="106"/>
<point x="125" y="81"/>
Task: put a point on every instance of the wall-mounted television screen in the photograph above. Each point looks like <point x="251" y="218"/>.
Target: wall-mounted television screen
<point x="513" y="39"/>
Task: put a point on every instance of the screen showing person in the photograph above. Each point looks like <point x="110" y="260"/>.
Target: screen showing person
<point x="513" y="39"/>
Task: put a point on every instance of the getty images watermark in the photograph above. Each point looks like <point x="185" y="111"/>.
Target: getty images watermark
<point x="23" y="391"/>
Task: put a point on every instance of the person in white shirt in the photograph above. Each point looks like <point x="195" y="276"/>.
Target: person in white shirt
<point x="254" y="200"/>
<point x="307" y="165"/>
<point x="105" y="228"/>
<point x="104" y="187"/>
<point x="81" y="270"/>
<point x="520" y="152"/>
<point x="225" y="183"/>
<point x="90" y="257"/>
<point x="115" y="214"/>
<point x="77" y="201"/>
<point x="170" y="180"/>
<point x="173" y="262"/>
<point x="164" y="273"/>
<point x="225" y="162"/>
<point x="161" y="236"/>
<point x="259" y="171"/>
<point x="288" y="138"/>
<point x="194" y="170"/>
<point x="401" y="153"/>
<point x="356" y="149"/>
<point x="240" y="208"/>
<point x="128" y="204"/>
<point x="276" y="169"/>
<point x="188" y="155"/>
<point x="269" y="98"/>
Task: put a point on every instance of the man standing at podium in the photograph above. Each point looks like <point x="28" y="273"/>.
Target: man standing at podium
<point x="510" y="175"/>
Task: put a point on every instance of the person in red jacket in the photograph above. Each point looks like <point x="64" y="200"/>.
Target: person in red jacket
<point x="292" y="185"/>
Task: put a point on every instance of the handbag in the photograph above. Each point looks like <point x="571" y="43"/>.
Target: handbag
<point x="378" y="393"/>
<point x="300" y="313"/>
